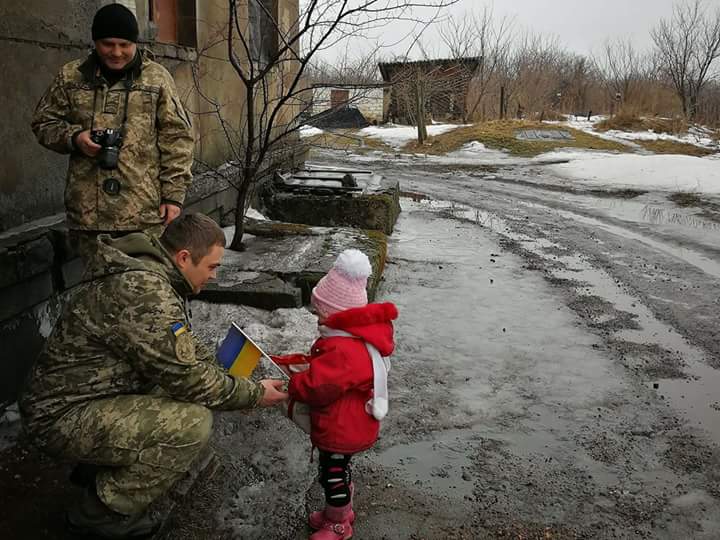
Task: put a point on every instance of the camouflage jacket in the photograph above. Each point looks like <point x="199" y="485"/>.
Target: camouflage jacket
<point x="127" y="332"/>
<point x="155" y="157"/>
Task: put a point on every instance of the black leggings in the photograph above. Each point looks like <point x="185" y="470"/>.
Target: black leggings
<point x="335" y="477"/>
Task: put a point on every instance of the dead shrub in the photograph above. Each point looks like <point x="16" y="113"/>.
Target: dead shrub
<point x="630" y="122"/>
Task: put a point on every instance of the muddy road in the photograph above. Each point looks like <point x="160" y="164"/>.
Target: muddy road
<point x="557" y="365"/>
<point x="556" y="376"/>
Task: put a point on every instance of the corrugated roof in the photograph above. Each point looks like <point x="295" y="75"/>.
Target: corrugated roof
<point x="391" y="66"/>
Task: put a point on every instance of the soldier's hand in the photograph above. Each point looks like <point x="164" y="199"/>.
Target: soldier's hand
<point x="169" y="212"/>
<point x="273" y="393"/>
<point x="85" y="144"/>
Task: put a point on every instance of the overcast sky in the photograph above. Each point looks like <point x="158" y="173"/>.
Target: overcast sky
<point x="581" y="25"/>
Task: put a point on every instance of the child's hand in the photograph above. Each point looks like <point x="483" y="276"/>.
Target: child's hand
<point x="291" y="363"/>
<point x="274" y="394"/>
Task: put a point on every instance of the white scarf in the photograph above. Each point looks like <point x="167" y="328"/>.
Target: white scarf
<point x="376" y="406"/>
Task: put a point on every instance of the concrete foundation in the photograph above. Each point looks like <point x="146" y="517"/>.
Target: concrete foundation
<point x="324" y="198"/>
<point x="282" y="262"/>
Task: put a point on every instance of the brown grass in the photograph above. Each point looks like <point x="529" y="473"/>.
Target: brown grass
<point x="631" y="122"/>
<point x="685" y="199"/>
<point x="710" y="210"/>
<point x="501" y="135"/>
<point x="675" y="147"/>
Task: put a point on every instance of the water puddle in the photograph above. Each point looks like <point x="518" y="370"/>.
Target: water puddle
<point x="707" y="265"/>
<point x="696" y="397"/>
<point x="442" y="464"/>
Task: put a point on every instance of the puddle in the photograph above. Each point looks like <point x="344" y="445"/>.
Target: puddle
<point x="707" y="265"/>
<point x="665" y="218"/>
<point x="696" y="398"/>
<point x="460" y="211"/>
<point x="439" y="464"/>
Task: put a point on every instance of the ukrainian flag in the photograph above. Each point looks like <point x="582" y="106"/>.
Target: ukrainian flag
<point x="238" y="354"/>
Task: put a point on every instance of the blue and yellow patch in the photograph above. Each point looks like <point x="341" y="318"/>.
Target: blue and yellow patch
<point x="178" y="328"/>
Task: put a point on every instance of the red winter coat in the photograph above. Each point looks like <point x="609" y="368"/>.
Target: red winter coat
<point x="340" y="379"/>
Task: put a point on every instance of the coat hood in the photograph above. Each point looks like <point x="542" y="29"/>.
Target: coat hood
<point x="136" y="252"/>
<point x="372" y="322"/>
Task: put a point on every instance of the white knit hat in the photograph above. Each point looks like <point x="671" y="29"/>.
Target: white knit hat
<point x="344" y="286"/>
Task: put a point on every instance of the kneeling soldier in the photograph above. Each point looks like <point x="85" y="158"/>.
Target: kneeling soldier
<point x="124" y="387"/>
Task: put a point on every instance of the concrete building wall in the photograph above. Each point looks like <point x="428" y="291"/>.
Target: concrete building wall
<point x="369" y="101"/>
<point x="36" y="38"/>
<point x="216" y="78"/>
<point x="37" y="264"/>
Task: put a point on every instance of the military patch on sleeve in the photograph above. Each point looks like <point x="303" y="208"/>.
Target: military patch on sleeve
<point x="185" y="347"/>
<point x="178" y="328"/>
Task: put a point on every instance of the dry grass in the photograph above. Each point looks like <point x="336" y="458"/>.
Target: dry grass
<point x="709" y="210"/>
<point x="685" y="199"/>
<point x="501" y="135"/>
<point x="630" y="122"/>
<point x="675" y="147"/>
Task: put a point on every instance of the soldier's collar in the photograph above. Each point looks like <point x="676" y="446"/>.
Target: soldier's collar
<point x="91" y="66"/>
<point x="179" y="282"/>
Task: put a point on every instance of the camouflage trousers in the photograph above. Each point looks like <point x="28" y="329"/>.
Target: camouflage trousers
<point x="143" y="443"/>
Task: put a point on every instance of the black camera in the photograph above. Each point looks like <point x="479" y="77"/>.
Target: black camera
<point x="111" y="141"/>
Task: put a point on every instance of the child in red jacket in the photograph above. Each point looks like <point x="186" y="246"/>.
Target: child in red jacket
<point x="345" y="384"/>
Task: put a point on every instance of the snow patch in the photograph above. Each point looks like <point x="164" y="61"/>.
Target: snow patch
<point x="255" y="214"/>
<point x="309" y="131"/>
<point x="696" y="135"/>
<point x="397" y="135"/>
<point x="654" y="172"/>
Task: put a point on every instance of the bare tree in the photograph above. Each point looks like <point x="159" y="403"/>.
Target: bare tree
<point x="350" y="68"/>
<point x="428" y="88"/>
<point x="688" y="45"/>
<point x="480" y="35"/>
<point x="623" y="69"/>
<point x="271" y="56"/>
<point x="530" y="74"/>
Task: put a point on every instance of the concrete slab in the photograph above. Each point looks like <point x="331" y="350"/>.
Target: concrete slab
<point x="255" y="289"/>
<point x="282" y="262"/>
<point x="543" y="135"/>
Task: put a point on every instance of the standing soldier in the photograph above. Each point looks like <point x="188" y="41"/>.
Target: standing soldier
<point x="124" y="387"/>
<point x="118" y="114"/>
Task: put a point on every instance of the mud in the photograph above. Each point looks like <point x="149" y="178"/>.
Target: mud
<point x="638" y="457"/>
<point x="555" y="376"/>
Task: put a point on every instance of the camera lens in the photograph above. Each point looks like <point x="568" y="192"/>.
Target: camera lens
<point x="108" y="157"/>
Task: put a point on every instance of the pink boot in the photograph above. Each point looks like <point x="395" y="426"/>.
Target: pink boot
<point x="336" y="524"/>
<point x="317" y="518"/>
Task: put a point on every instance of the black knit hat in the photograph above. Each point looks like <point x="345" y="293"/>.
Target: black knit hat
<point x="115" y="21"/>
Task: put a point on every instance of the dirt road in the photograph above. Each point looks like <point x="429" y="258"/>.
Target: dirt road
<point x="556" y="375"/>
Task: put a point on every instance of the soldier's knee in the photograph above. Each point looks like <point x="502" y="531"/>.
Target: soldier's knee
<point x="199" y="425"/>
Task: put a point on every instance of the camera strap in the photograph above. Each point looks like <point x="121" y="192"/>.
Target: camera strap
<point x="128" y="87"/>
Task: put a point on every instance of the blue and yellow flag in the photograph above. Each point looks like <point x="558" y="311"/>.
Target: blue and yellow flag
<point x="238" y="354"/>
<point x="178" y="328"/>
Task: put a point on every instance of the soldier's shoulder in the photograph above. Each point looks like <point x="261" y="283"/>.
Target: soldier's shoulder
<point x="143" y="280"/>
<point x="71" y="70"/>
<point x="156" y="72"/>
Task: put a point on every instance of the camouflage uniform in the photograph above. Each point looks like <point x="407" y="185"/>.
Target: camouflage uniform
<point x="155" y="157"/>
<point x="123" y="381"/>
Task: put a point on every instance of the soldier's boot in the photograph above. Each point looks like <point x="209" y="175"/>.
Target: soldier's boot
<point x="336" y="524"/>
<point x="83" y="474"/>
<point x="92" y="518"/>
<point x="317" y="518"/>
